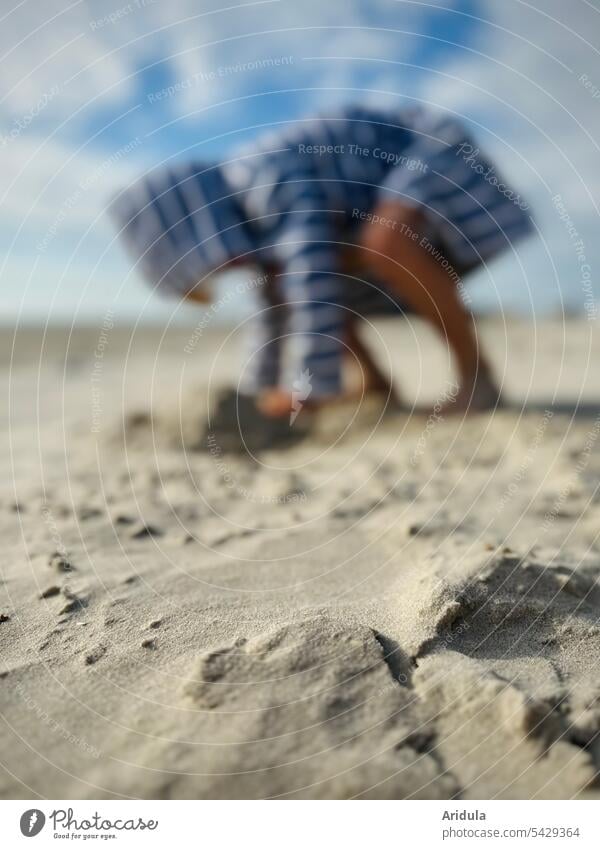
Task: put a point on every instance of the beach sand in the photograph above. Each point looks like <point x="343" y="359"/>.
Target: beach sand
<point x="401" y="606"/>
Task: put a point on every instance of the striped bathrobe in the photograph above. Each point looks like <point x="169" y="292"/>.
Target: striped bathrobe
<point x="293" y="200"/>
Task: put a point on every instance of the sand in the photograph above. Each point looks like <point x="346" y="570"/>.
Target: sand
<point x="396" y="607"/>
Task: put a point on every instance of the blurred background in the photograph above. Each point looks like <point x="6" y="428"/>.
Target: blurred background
<point x="94" y="92"/>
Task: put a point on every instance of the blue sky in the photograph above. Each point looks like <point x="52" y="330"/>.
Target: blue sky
<point x="96" y="92"/>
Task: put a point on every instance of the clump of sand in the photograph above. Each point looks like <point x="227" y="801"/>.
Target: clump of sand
<point x="392" y="609"/>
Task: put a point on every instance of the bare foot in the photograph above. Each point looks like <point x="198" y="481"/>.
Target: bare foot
<point x="278" y="404"/>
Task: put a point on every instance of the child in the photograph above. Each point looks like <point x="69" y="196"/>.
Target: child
<point x="324" y="207"/>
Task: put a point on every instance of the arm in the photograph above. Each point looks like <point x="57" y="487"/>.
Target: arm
<point x="417" y="279"/>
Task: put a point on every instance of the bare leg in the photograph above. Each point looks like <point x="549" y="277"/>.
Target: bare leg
<point x="408" y="270"/>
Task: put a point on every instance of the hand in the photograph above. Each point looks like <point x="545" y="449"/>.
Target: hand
<point x="475" y="396"/>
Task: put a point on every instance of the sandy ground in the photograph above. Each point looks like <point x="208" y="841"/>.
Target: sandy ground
<point x="400" y="606"/>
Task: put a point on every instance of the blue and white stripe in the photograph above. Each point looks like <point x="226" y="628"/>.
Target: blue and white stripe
<point x="180" y="224"/>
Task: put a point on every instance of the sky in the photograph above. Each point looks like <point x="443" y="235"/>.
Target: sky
<point x="96" y="92"/>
